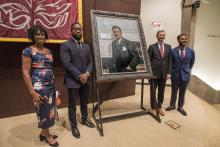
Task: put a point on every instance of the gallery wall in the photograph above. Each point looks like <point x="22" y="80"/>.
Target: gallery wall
<point x="161" y="14"/>
<point x="206" y="43"/>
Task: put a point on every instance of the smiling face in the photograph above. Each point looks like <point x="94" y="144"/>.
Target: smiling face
<point x="39" y="37"/>
<point x="182" y="39"/>
<point x="161" y="36"/>
<point x="77" y="31"/>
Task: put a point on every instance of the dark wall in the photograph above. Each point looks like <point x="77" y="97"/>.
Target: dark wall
<point x="114" y="89"/>
<point x="10" y="57"/>
<point x="16" y="100"/>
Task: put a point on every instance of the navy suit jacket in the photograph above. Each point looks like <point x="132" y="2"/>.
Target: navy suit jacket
<point x="182" y="68"/>
<point x="75" y="61"/>
<point x="160" y="65"/>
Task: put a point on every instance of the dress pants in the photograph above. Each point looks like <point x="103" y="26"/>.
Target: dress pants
<point x="83" y="94"/>
<point x="154" y="85"/>
<point x="181" y="86"/>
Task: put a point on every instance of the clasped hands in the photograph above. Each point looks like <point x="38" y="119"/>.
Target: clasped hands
<point x="84" y="77"/>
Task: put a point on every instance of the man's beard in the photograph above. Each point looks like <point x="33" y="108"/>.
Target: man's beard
<point x="77" y="37"/>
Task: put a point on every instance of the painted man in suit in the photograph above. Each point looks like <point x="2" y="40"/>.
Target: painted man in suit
<point x="77" y="61"/>
<point x="161" y="60"/>
<point x="124" y="53"/>
<point x="183" y="59"/>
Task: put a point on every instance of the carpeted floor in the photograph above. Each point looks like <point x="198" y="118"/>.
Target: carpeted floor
<point x="201" y="128"/>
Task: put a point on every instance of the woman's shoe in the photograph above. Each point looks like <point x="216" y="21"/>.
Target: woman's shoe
<point x="42" y="137"/>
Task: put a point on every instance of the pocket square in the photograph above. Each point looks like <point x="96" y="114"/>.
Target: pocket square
<point x="124" y="48"/>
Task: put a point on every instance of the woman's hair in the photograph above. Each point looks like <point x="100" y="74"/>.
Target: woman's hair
<point x="34" y="30"/>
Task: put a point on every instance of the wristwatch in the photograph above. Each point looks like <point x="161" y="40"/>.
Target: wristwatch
<point x="88" y="74"/>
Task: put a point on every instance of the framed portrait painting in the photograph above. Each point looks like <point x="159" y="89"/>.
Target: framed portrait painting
<point x="120" y="49"/>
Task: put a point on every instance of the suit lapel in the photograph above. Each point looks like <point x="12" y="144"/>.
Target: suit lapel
<point x="186" y="53"/>
<point x="122" y="43"/>
<point x="165" y="50"/>
<point x="157" y="49"/>
<point x="78" y="49"/>
<point x="83" y="50"/>
<point x="83" y="55"/>
<point x="177" y="53"/>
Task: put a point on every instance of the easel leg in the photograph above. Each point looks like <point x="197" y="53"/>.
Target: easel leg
<point x="142" y="94"/>
<point x="96" y="107"/>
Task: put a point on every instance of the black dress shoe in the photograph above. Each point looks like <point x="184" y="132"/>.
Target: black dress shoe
<point x="170" y="108"/>
<point x="42" y="137"/>
<point x="56" y="144"/>
<point x="87" y="123"/>
<point x="75" y="132"/>
<point x="182" y="111"/>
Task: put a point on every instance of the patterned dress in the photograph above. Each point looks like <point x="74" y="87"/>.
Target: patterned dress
<point x="43" y="82"/>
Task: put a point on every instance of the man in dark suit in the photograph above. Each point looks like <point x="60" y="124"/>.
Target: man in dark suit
<point x="160" y="59"/>
<point x="124" y="53"/>
<point x="183" y="59"/>
<point x="77" y="61"/>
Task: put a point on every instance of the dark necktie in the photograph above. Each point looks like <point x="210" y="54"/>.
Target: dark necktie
<point x="80" y="47"/>
<point x="78" y="44"/>
<point x="182" y="55"/>
<point x="81" y="52"/>
<point x="117" y="43"/>
<point x="161" y="50"/>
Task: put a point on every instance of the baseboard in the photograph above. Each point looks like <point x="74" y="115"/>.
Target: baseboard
<point x="203" y="90"/>
<point x="168" y="83"/>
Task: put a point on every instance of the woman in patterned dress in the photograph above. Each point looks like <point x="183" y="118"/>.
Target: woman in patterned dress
<point x="39" y="79"/>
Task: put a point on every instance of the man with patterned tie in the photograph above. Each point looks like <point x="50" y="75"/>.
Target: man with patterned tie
<point x="183" y="59"/>
<point x="161" y="60"/>
<point x="125" y="57"/>
<point x="76" y="58"/>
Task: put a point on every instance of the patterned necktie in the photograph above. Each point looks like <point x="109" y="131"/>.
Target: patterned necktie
<point x="161" y="50"/>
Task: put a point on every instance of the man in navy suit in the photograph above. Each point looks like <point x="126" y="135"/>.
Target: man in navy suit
<point x="183" y="59"/>
<point x="77" y="61"/>
<point x="160" y="59"/>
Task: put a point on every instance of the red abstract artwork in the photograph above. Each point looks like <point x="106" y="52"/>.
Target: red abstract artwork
<point x="56" y="16"/>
